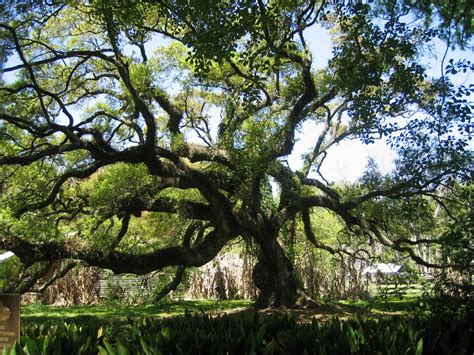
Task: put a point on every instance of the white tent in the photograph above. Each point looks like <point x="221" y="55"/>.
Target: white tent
<point x="6" y="255"/>
<point x="382" y="268"/>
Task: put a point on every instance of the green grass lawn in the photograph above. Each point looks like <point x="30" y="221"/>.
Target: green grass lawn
<point x="116" y="313"/>
<point x="120" y="313"/>
<point x="407" y="304"/>
<point x="385" y="299"/>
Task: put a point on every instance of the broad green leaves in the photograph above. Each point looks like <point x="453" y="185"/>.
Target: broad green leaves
<point x="252" y="335"/>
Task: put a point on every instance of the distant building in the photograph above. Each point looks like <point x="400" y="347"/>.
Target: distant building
<point x="382" y="268"/>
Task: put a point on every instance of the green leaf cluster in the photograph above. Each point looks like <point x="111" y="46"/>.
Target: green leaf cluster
<point x="276" y="334"/>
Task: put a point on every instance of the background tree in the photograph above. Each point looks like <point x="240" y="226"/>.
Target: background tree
<point x="108" y="135"/>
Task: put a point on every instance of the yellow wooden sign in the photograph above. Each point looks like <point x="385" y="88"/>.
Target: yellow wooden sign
<point x="9" y="319"/>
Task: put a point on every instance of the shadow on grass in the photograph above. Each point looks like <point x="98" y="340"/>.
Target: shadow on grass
<point x="116" y="313"/>
<point x="380" y="305"/>
<point x="120" y="314"/>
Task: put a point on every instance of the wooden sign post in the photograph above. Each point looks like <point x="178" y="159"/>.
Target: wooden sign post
<point x="9" y="320"/>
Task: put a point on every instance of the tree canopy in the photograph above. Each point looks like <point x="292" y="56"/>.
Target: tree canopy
<point x="135" y="136"/>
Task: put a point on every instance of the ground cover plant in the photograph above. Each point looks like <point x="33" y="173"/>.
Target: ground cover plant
<point x="391" y="326"/>
<point x="249" y="334"/>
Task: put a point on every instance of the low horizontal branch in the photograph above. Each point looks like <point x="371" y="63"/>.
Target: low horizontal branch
<point x="119" y="262"/>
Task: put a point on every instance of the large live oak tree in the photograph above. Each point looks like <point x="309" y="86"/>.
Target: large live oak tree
<point x="116" y="117"/>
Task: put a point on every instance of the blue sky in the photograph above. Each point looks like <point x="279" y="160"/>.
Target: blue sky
<point x="347" y="161"/>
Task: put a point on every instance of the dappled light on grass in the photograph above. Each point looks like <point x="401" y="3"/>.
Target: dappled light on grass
<point x="120" y="313"/>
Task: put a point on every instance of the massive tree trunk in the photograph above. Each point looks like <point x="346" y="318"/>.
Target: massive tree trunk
<point x="275" y="276"/>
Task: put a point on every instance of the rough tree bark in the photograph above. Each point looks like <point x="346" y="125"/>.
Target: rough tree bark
<point x="274" y="274"/>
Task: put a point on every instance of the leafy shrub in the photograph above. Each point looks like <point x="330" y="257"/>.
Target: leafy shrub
<point x="446" y="298"/>
<point x="277" y="334"/>
<point x="9" y="270"/>
<point x="114" y="293"/>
